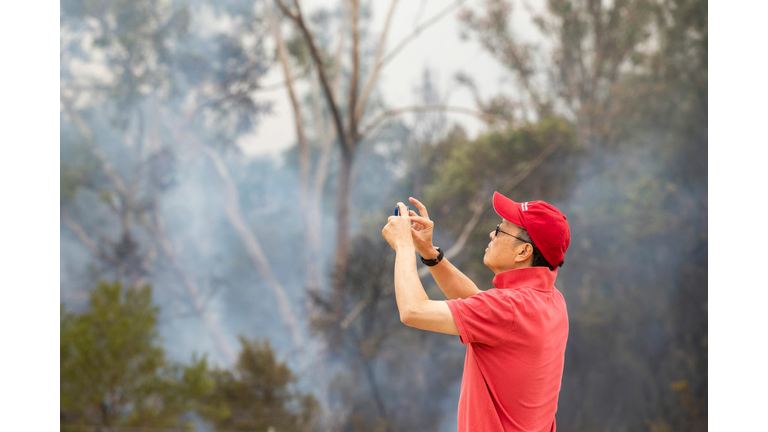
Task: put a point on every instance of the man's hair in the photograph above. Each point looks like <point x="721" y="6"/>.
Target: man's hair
<point x="538" y="259"/>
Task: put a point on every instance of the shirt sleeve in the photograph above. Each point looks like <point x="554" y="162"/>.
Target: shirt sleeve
<point x="485" y="317"/>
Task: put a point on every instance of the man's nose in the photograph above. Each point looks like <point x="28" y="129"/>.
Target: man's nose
<point x="491" y="234"/>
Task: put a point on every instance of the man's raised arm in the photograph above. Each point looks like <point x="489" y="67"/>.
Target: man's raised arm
<point x="451" y="280"/>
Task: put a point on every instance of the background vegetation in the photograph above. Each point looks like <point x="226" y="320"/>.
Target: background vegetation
<point x="205" y="289"/>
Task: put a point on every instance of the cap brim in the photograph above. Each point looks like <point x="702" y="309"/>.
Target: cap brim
<point x="508" y="209"/>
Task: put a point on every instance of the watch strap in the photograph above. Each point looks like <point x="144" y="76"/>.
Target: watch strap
<point x="434" y="261"/>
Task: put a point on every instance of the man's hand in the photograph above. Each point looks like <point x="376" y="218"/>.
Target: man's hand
<point x="397" y="231"/>
<point x="422" y="230"/>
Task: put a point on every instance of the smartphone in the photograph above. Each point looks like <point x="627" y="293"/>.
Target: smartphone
<point x="397" y="210"/>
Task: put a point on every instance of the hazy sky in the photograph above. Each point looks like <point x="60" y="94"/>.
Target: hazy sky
<point x="439" y="47"/>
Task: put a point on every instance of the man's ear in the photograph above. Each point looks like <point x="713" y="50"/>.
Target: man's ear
<point x="524" y="253"/>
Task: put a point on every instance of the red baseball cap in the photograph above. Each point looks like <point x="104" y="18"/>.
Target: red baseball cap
<point x="545" y="224"/>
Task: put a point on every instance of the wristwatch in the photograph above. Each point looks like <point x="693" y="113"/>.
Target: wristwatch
<point x="434" y="261"/>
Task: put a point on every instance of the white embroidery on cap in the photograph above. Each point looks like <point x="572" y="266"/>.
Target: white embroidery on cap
<point x="525" y="206"/>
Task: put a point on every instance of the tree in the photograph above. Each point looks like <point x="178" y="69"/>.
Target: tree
<point x="128" y="68"/>
<point x="257" y="395"/>
<point x="571" y="70"/>
<point x="113" y="367"/>
<point x="533" y="160"/>
<point x="114" y="373"/>
<point x="342" y="78"/>
<point x="350" y="128"/>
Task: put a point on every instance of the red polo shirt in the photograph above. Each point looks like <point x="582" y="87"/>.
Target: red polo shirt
<point x="515" y="337"/>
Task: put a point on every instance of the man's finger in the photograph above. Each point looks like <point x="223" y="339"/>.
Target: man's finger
<point x="420" y="206"/>
<point x="413" y="213"/>
<point x="422" y="220"/>
<point x="401" y="212"/>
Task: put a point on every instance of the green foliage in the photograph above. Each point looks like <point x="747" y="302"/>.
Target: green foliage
<point x="257" y="395"/>
<point x="134" y="37"/>
<point x="114" y="373"/>
<point x="490" y="161"/>
<point x="466" y="172"/>
<point x="113" y="367"/>
<point x="299" y="50"/>
<point x="590" y="45"/>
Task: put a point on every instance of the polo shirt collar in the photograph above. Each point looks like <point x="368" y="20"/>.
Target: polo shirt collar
<point x="538" y="278"/>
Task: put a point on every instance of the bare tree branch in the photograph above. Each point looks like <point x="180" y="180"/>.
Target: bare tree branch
<point x="234" y="213"/>
<point x="286" y="11"/>
<point x="250" y="242"/>
<point x="319" y="128"/>
<point x="347" y="141"/>
<point x="321" y="170"/>
<point x="354" y="76"/>
<point x="125" y="216"/>
<point x="325" y="135"/>
<point x="394" y="112"/>
<point x="355" y="312"/>
<point x="126" y="269"/>
<point x="156" y="227"/>
<point x="85" y="131"/>
<point x="448" y="9"/>
<point x="280" y="84"/>
<point x="81" y="234"/>
<point x="297" y="117"/>
<point x="146" y="263"/>
<point x="360" y="109"/>
<point x="315" y="53"/>
<point x="309" y="215"/>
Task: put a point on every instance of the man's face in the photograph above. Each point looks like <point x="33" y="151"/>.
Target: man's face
<point x="504" y="251"/>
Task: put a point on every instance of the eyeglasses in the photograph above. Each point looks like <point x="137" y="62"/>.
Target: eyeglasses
<point x="500" y="231"/>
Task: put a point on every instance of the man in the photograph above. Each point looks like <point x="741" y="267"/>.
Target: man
<point x="515" y="334"/>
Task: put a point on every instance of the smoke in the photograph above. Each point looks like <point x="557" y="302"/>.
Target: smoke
<point x="635" y="283"/>
<point x="634" y="277"/>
